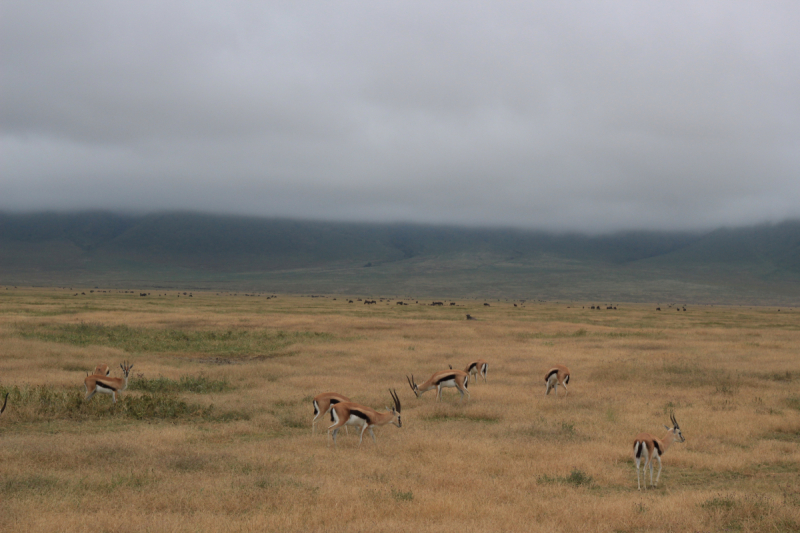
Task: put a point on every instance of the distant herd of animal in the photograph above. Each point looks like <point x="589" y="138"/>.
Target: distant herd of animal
<point x="345" y="412"/>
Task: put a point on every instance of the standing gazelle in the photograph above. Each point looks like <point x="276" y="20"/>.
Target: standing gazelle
<point x="323" y="403"/>
<point x="648" y="447"/>
<point x="107" y="385"/>
<point x="353" y="414"/>
<point x="476" y="368"/>
<point x="558" y="375"/>
<point x="441" y="379"/>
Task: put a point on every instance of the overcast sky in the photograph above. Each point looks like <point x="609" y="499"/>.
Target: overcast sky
<point x="589" y="116"/>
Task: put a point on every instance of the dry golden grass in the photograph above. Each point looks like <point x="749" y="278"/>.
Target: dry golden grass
<point x="508" y="459"/>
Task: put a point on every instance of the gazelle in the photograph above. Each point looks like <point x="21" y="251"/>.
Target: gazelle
<point x="351" y="413"/>
<point x="323" y="404"/>
<point x="646" y="446"/>
<point x="101" y="370"/>
<point x="5" y="402"/>
<point x="558" y="375"/>
<point x="107" y="385"/>
<point x="444" y="378"/>
<point x="477" y="367"/>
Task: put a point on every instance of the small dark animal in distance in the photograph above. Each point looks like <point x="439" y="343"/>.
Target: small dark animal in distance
<point x="470" y="317"/>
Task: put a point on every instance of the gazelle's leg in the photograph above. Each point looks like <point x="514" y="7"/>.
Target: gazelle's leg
<point x="89" y="396"/>
<point x="565" y="389"/>
<point x="439" y="393"/>
<point x="556" y="389"/>
<point x="317" y="416"/>
<point x="651" y="472"/>
<point x="638" y="460"/>
<point x="363" y="429"/>
<point x="335" y="426"/>
<point x="372" y="435"/>
<point x="659" y="469"/>
<point x="646" y="458"/>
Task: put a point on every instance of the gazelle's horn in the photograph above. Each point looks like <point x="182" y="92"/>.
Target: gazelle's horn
<point x="411" y="384"/>
<point x="396" y="400"/>
<point x="5" y="402"/>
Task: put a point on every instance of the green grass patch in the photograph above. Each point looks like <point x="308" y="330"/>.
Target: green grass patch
<point x="34" y="404"/>
<point x="145" y="340"/>
<point x="793" y="402"/>
<point x="199" y="384"/>
<point x="443" y="416"/>
<point x="401" y="496"/>
<point x="556" y="431"/>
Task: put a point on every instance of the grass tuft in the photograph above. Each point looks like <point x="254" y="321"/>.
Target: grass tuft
<point x="576" y="478"/>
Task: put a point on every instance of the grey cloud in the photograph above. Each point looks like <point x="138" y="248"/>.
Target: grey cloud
<point x="584" y="116"/>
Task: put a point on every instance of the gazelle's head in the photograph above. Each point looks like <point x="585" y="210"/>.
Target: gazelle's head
<point x="675" y="429"/>
<point x="102" y="370"/>
<point x="126" y="369"/>
<point x="413" y="385"/>
<point x="396" y="409"/>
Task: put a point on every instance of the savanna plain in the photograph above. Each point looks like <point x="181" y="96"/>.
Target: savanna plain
<point x="214" y="431"/>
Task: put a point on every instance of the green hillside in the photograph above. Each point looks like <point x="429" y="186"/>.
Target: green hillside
<point x="758" y="264"/>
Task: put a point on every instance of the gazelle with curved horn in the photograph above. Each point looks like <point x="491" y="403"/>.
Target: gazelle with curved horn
<point x="5" y="402"/>
<point x="558" y="375"/>
<point x="476" y="368"/>
<point x="648" y="447"/>
<point x="107" y="385"/>
<point x="439" y="380"/>
<point x="322" y="405"/>
<point x="353" y="414"/>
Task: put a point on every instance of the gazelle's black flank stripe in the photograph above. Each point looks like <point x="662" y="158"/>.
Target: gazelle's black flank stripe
<point x="360" y="414"/>
<point x="105" y="385"/>
<point x="473" y="365"/>
<point x="554" y="371"/>
<point x="446" y="377"/>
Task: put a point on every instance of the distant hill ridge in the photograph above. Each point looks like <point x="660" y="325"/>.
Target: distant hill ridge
<point x="53" y="246"/>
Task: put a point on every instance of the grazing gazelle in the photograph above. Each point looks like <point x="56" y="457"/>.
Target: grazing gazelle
<point x="5" y="402"/>
<point x="351" y="413"/>
<point x="107" y="385"/>
<point x="648" y="446"/>
<point x="477" y="367"/>
<point x="323" y="403"/>
<point x="558" y="375"/>
<point x="441" y="379"/>
<point x="101" y="370"/>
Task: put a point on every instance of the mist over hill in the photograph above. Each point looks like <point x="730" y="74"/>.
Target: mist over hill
<point x="758" y="264"/>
